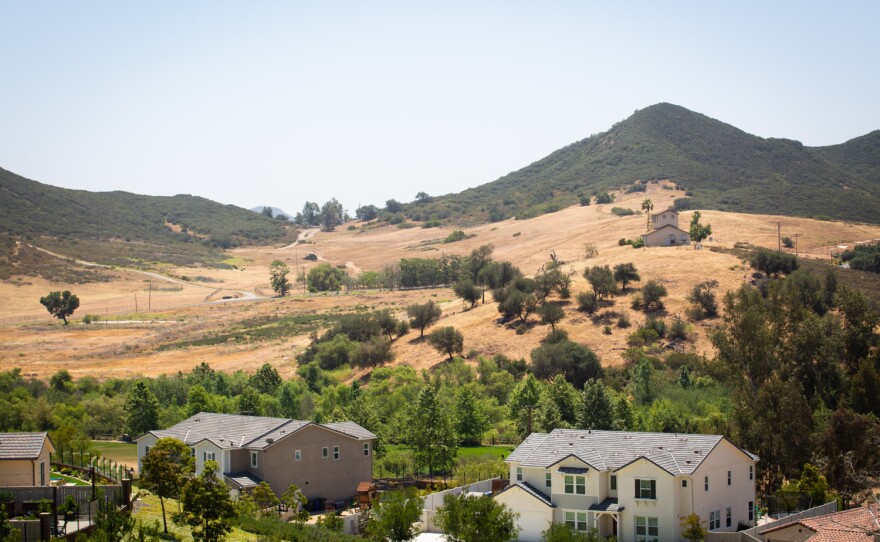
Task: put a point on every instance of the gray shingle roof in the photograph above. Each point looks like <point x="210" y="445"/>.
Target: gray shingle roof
<point x="21" y="445"/>
<point x="243" y="480"/>
<point x="610" y="450"/>
<point x="253" y="432"/>
<point x="531" y="490"/>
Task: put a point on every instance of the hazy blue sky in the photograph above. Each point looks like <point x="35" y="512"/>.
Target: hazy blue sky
<point x="276" y="103"/>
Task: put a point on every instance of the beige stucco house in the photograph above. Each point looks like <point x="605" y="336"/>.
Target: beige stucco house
<point x="24" y="459"/>
<point x="323" y="460"/>
<point x="635" y="486"/>
<point x="855" y="525"/>
<point x="665" y="231"/>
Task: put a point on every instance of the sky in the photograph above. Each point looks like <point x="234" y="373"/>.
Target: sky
<point x="278" y="103"/>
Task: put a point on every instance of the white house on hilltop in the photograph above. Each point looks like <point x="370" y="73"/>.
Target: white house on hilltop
<point x="665" y="231"/>
<point x="635" y="486"/>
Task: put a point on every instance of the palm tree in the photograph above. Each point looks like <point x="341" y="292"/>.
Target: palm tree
<point x="648" y="206"/>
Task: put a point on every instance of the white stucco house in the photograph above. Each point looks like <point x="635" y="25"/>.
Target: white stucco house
<point x="635" y="486"/>
<point x="665" y="231"/>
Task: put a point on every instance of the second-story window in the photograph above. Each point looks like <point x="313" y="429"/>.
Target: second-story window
<point x="297" y="455"/>
<point x="519" y="474"/>
<point x="646" y="489"/>
<point x="729" y="479"/>
<point x="706" y="482"/>
<point x="548" y="479"/>
<point x="751" y="472"/>
<point x="325" y="452"/>
<point x="366" y="448"/>
<point x="336" y="452"/>
<point x="208" y="456"/>
<point x="613" y="482"/>
<point x="575" y="485"/>
<point x="253" y="460"/>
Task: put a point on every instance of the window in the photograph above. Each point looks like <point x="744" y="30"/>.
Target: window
<point x="613" y="482"/>
<point x="684" y="483"/>
<point x="519" y="474"/>
<point x="366" y="448"/>
<point x="548" y="479"/>
<point x="336" y="452"/>
<point x="575" y="485"/>
<point x="646" y="489"/>
<point x="576" y="520"/>
<point x="751" y="472"/>
<point x="728" y="478"/>
<point x="706" y="482"/>
<point x="297" y="455"/>
<point x="42" y="473"/>
<point x="208" y="456"/>
<point x="714" y="520"/>
<point x="728" y="517"/>
<point x="253" y="460"/>
<point x="193" y="450"/>
<point x="751" y="511"/>
<point x="647" y="529"/>
<point x="146" y="450"/>
<point x="325" y="452"/>
<point x="684" y="238"/>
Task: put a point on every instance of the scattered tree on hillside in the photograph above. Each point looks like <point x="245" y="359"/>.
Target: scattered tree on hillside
<point x="278" y="271"/>
<point x="604" y="197"/>
<point x="311" y="214"/>
<point x="704" y="298"/>
<point x="624" y="273"/>
<point x="366" y="212"/>
<point x="60" y="304"/>
<point x="393" y="206"/>
<point x="423" y="315"/>
<point x="698" y="231"/>
<point x="647" y="206"/>
<point x="601" y="278"/>
<point x="551" y="313"/>
<point x="267" y="211"/>
<point x="332" y="215"/>
<point x="326" y="278"/>
<point x="476" y="519"/>
<point x="447" y="340"/>
<point x="652" y="295"/>
<point x="574" y="361"/>
<point x="588" y="302"/>
<point x="165" y="469"/>
<point x="466" y="290"/>
<point x="207" y="507"/>
<point x="422" y="197"/>
<point x="772" y="262"/>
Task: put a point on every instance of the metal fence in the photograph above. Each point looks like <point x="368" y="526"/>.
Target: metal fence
<point x="40" y="513"/>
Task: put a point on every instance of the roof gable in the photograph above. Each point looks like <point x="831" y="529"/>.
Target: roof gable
<point x="531" y="490"/>
<point x="23" y="445"/>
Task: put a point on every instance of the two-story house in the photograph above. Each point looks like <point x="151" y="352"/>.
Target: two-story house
<point x="324" y="460"/>
<point x="635" y="486"/>
<point x="665" y="231"/>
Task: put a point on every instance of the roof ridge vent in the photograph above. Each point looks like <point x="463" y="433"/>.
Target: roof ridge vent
<point x="270" y="440"/>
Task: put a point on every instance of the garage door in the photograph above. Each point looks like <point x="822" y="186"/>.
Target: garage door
<point x="531" y="525"/>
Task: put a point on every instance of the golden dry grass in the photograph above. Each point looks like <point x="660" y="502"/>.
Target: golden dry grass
<point x="133" y="349"/>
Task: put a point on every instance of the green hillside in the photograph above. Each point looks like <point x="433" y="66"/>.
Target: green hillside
<point x="123" y="228"/>
<point x="721" y="166"/>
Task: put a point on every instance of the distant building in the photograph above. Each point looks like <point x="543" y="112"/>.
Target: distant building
<point x="855" y="525"/>
<point x="665" y="231"/>
<point x="633" y="486"/>
<point x="24" y="459"/>
<point x="324" y="460"/>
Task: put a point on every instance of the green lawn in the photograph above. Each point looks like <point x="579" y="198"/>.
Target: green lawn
<point x="394" y="453"/>
<point x="69" y="479"/>
<point x="150" y="514"/>
<point x="120" y="452"/>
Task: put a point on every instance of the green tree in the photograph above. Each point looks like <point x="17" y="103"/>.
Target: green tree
<point x="551" y="313"/>
<point x="698" y="231"/>
<point x="812" y="482"/>
<point x="141" y="410"/>
<point x="264" y="497"/>
<point x="249" y="401"/>
<point x="772" y="262"/>
<point x="197" y="400"/>
<point x="523" y="400"/>
<point x="476" y="519"/>
<point x="644" y="383"/>
<point x="470" y="422"/>
<point x="332" y="215"/>
<point x="597" y="409"/>
<point x="296" y="502"/>
<point x="366" y="212"/>
<point x="447" y="340"/>
<point x="430" y="433"/>
<point x="311" y="214"/>
<point x="647" y="206"/>
<point x="289" y="400"/>
<point x="703" y="297"/>
<point x="278" y="271"/>
<point x="601" y="278"/>
<point x="165" y="469"/>
<point x="395" y="514"/>
<point x="848" y="452"/>
<point x="467" y="291"/>
<point x="423" y="315"/>
<point x="566" y="398"/>
<point x="60" y="304"/>
<point x="207" y="507"/>
<point x="266" y="379"/>
<point x="267" y="211"/>
<point x="692" y="528"/>
<point x="624" y="273"/>
<point x="652" y="295"/>
<point x="326" y="278"/>
<point x="574" y="361"/>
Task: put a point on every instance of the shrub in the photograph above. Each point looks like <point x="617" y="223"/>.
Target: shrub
<point x="623" y="321"/>
<point x="678" y="331"/>
<point x="604" y="197"/>
<point x="620" y="211"/>
<point x="787" y="242"/>
<point x="588" y="302"/>
<point x="657" y="325"/>
<point x="622" y="242"/>
<point x="637" y="243"/>
<point x="606" y="330"/>
<point x="311" y="257"/>
<point x="642" y="337"/>
<point x="87" y="319"/>
<point x="652" y="295"/>
<point x="457" y="235"/>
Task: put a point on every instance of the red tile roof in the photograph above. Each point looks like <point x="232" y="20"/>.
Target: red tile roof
<point x="855" y="525"/>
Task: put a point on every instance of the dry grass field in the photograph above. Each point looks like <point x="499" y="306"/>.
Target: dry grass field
<point x="158" y="342"/>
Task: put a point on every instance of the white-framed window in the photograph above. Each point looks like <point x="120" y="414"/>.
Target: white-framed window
<point x="728" y="517"/>
<point x="646" y="489"/>
<point x="208" y="456"/>
<point x="575" y="485"/>
<point x="729" y="478"/>
<point x="366" y="448"/>
<point x="519" y="474"/>
<point x="613" y="482"/>
<point x="647" y="529"/>
<point x="193" y="450"/>
<point x="706" y="482"/>
<point x="684" y="483"/>
<point x="751" y="511"/>
<point x="714" y="520"/>
<point x="751" y="472"/>
<point x="336" y="452"/>
<point x="576" y="520"/>
<point x="254" y="460"/>
<point x="325" y="452"/>
<point x="297" y="455"/>
<point x="548" y="479"/>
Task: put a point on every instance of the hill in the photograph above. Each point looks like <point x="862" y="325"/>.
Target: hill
<point x="276" y="212"/>
<point x="79" y="223"/>
<point x="720" y="166"/>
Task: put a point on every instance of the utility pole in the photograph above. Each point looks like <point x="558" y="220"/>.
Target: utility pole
<point x="796" y="243"/>
<point x="150" y="296"/>
<point x="779" y="237"/>
<point x="135" y="302"/>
